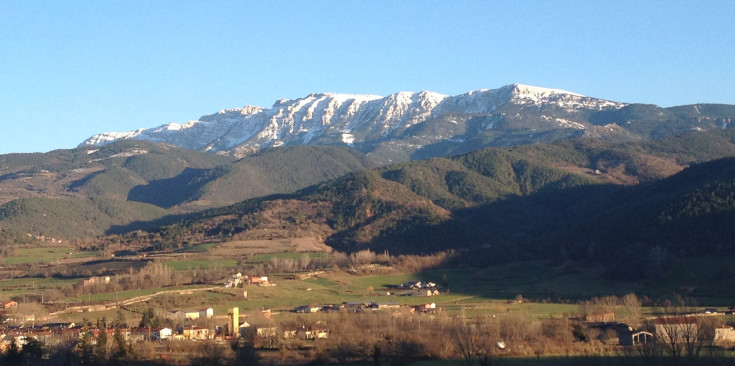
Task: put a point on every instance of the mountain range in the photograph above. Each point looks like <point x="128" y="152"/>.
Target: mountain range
<point x="546" y="202"/>
<point x="407" y="125"/>
<point x="515" y="173"/>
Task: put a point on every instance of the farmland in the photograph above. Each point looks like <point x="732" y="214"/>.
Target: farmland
<point x="537" y="300"/>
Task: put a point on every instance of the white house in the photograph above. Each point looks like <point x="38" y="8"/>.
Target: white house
<point x="162" y="334"/>
<point x="206" y="313"/>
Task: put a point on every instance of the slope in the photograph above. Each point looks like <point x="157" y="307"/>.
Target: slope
<point x="403" y="208"/>
<point x="70" y="219"/>
<point x="109" y="171"/>
<point x="280" y="170"/>
<point x="541" y="202"/>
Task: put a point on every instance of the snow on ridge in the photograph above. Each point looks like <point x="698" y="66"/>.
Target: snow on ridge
<point x="339" y="97"/>
<point x="526" y="94"/>
<point x="528" y="90"/>
<point x="342" y="118"/>
<point x="109" y="137"/>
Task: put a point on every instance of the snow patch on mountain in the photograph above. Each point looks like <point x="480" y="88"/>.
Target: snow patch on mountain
<point x="349" y="119"/>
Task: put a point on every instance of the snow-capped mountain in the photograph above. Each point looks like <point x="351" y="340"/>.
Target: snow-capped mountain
<point x="398" y="127"/>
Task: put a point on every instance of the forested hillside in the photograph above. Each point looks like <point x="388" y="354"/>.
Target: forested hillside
<point x="576" y="199"/>
<point x="492" y="206"/>
<point x="87" y="192"/>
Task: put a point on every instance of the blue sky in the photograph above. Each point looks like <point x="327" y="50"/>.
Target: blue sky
<point x="70" y="69"/>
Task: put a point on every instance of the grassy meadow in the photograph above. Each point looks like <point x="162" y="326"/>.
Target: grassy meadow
<point x="44" y="255"/>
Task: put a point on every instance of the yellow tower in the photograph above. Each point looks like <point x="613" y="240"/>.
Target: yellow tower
<point x="234" y="323"/>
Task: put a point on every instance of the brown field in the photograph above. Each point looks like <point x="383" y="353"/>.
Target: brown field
<point x="242" y="247"/>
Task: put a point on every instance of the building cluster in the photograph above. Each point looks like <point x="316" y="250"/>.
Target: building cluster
<point x="182" y="315"/>
<point x="666" y="329"/>
<point x="239" y="280"/>
<point x="412" y="288"/>
<point x="105" y="280"/>
<point x="312" y="332"/>
<point x="44" y="238"/>
<point x="369" y="305"/>
<point x="60" y="333"/>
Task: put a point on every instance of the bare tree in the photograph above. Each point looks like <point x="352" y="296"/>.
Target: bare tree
<point x="472" y="341"/>
<point x="633" y="306"/>
<point x="680" y="331"/>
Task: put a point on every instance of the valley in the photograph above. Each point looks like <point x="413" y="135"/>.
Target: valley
<point x="498" y="225"/>
<point x="362" y="290"/>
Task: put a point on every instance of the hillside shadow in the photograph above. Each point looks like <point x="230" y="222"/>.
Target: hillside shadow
<point x="77" y="184"/>
<point x="548" y="245"/>
<point x="584" y="242"/>
<point x="482" y="139"/>
<point x="514" y="228"/>
<point x="148" y="225"/>
<point x="170" y="192"/>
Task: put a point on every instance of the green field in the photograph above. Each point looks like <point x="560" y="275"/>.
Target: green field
<point x="189" y="264"/>
<point x="122" y="295"/>
<point x="199" y="248"/>
<point x="44" y="255"/>
<point x="19" y="286"/>
<point x="292" y="255"/>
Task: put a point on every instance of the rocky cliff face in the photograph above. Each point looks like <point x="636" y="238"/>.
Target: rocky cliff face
<point x="401" y="126"/>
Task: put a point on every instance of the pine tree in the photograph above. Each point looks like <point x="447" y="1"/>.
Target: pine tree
<point x="101" y="348"/>
<point x="121" y="351"/>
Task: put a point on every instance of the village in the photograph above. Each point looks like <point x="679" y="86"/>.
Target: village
<point x="205" y="325"/>
<point x="170" y="312"/>
<point x="197" y="324"/>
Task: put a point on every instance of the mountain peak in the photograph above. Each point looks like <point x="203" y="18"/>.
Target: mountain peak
<point x="529" y="90"/>
<point x="369" y="122"/>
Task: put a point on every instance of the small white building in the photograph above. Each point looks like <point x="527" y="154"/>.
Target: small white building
<point x="162" y="334"/>
<point x="206" y="313"/>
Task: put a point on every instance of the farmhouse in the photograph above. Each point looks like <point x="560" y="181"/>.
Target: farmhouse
<point x="312" y="334"/>
<point x="357" y="306"/>
<point x="425" y="308"/>
<point x="206" y="313"/>
<point x="266" y="332"/>
<point x="236" y="280"/>
<point x="196" y="333"/>
<point x="181" y="315"/>
<point x="385" y="305"/>
<point x="308" y="309"/>
<point x="160" y="334"/>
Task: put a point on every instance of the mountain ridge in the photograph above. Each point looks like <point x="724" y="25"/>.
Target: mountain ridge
<point x="495" y="206"/>
<point x="362" y="121"/>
